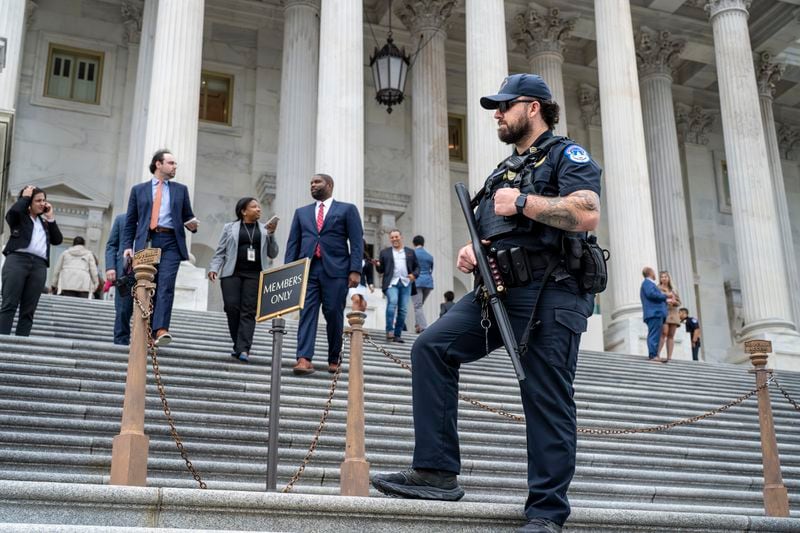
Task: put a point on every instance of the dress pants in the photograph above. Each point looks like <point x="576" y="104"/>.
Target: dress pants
<point x="331" y="293"/>
<point x="123" y="310"/>
<point x="24" y="276"/>
<point x="240" y="298"/>
<point x="654" y="324"/>
<point x="75" y="294"/>
<point x="547" y="392"/>
<point x="418" y="300"/>
<point x="165" y="279"/>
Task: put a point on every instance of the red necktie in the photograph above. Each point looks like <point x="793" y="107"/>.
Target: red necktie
<point x="320" y="218"/>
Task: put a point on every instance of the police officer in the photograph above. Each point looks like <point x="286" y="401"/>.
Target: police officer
<point x="547" y="190"/>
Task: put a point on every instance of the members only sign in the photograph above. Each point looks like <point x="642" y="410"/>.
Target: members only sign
<point x="282" y="290"/>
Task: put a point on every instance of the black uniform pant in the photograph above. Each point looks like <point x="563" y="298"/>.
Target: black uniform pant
<point x="24" y="276"/>
<point x="547" y="392"/>
<point x="240" y="298"/>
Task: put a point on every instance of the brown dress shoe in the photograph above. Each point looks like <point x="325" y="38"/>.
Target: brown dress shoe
<point x="303" y="367"/>
<point x="333" y="367"/>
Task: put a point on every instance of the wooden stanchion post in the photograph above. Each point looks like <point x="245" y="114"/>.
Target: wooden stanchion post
<point x="776" y="500"/>
<point x="354" y="472"/>
<point x="129" y="449"/>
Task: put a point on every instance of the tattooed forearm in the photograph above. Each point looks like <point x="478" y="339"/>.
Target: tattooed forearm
<point x="579" y="211"/>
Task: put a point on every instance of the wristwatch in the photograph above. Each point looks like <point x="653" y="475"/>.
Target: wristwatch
<point x="520" y="203"/>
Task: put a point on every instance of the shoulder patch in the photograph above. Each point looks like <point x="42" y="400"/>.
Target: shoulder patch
<point x="576" y="154"/>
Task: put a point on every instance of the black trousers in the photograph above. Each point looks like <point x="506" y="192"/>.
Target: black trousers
<point x="240" y="297"/>
<point x="76" y="294"/>
<point x="547" y="392"/>
<point x="24" y="276"/>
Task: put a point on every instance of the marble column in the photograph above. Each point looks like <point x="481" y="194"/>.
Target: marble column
<point x="12" y="27"/>
<point x="768" y="74"/>
<point x="298" y="112"/>
<point x="487" y="67"/>
<point x="139" y="19"/>
<point x="432" y="194"/>
<point x="657" y="53"/>
<point x="762" y="272"/>
<point x="172" y="116"/>
<point x="542" y="38"/>
<point x="627" y="186"/>
<point x="340" y="101"/>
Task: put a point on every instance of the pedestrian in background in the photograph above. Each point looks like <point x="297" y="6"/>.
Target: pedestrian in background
<point x="358" y="294"/>
<point x="400" y="269"/>
<point x="654" y="310"/>
<point x="449" y="302"/>
<point x="673" y="319"/>
<point x="423" y="283"/>
<point x="693" y="329"/>
<point x="33" y="228"/>
<point x="120" y="274"/>
<point x="245" y="247"/>
<point x="75" y="273"/>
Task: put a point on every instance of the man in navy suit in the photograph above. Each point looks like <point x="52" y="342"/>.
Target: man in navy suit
<point x="116" y="265"/>
<point x="162" y="228"/>
<point x="654" y="307"/>
<point x="321" y="232"/>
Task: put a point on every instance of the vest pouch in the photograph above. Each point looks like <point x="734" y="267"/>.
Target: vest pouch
<point x="594" y="268"/>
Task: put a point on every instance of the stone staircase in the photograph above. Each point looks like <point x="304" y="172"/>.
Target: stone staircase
<point x="61" y="396"/>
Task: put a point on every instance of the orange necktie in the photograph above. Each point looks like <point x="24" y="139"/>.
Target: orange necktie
<point x="156" y="205"/>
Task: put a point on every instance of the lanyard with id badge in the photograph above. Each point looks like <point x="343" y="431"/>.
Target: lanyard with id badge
<point x="251" y="252"/>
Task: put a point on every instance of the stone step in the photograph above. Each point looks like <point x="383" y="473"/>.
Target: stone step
<point x="61" y="397"/>
<point x="112" y="507"/>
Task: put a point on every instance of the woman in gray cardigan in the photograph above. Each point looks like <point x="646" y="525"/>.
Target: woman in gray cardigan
<point x="241" y="255"/>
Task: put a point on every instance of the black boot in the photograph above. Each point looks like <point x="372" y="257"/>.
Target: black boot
<point x="540" y="525"/>
<point x="419" y="484"/>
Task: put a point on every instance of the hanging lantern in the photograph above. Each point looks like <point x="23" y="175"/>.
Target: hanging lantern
<point x="389" y="68"/>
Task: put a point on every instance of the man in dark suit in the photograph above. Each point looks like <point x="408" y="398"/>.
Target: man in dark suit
<point x="116" y="266"/>
<point x="400" y="268"/>
<point x="158" y="211"/>
<point x="321" y="232"/>
<point x="654" y="308"/>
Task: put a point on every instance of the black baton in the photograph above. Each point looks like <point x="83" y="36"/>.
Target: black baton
<point x="498" y="309"/>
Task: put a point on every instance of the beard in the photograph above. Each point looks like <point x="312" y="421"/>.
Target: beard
<point x="514" y="132"/>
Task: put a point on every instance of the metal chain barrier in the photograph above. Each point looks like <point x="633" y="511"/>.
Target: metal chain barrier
<point x="595" y="431"/>
<point x="152" y="351"/>
<point x="786" y="394"/>
<point x="325" y="412"/>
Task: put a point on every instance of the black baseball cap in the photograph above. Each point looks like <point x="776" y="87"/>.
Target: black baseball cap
<point x="515" y="86"/>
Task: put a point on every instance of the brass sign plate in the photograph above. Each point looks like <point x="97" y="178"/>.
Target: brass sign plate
<point x="282" y="290"/>
<point x="757" y="346"/>
<point x="148" y="256"/>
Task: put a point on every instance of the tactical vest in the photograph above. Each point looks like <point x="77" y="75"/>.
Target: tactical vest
<point x="531" y="173"/>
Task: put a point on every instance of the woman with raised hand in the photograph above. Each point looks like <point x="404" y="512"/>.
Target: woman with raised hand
<point x="243" y="251"/>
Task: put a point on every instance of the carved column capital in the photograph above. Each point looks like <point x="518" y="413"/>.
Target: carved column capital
<point x="313" y="4"/>
<point x="768" y="73"/>
<point x="657" y="52"/>
<point x="536" y="32"/>
<point x="694" y="123"/>
<point x="715" y="7"/>
<point x="426" y="15"/>
<point x="132" y="20"/>
<point x="30" y="12"/>
<point x="589" y="102"/>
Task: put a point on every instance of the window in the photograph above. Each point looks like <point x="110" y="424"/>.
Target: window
<point x="216" y="92"/>
<point x="73" y="74"/>
<point x="455" y="138"/>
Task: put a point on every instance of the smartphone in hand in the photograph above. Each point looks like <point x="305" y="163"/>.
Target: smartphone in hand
<point x="273" y="220"/>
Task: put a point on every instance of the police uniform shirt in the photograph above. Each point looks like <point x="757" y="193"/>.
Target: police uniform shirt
<point x="567" y="168"/>
<point x="691" y="325"/>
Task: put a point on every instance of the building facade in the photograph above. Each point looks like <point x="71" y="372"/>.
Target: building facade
<point x="691" y="106"/>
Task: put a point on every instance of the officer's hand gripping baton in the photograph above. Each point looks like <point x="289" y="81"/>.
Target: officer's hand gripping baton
<point x="498" y="309"/>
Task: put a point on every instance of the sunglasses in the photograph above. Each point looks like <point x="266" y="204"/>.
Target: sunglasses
<point x="503" y="107"/>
